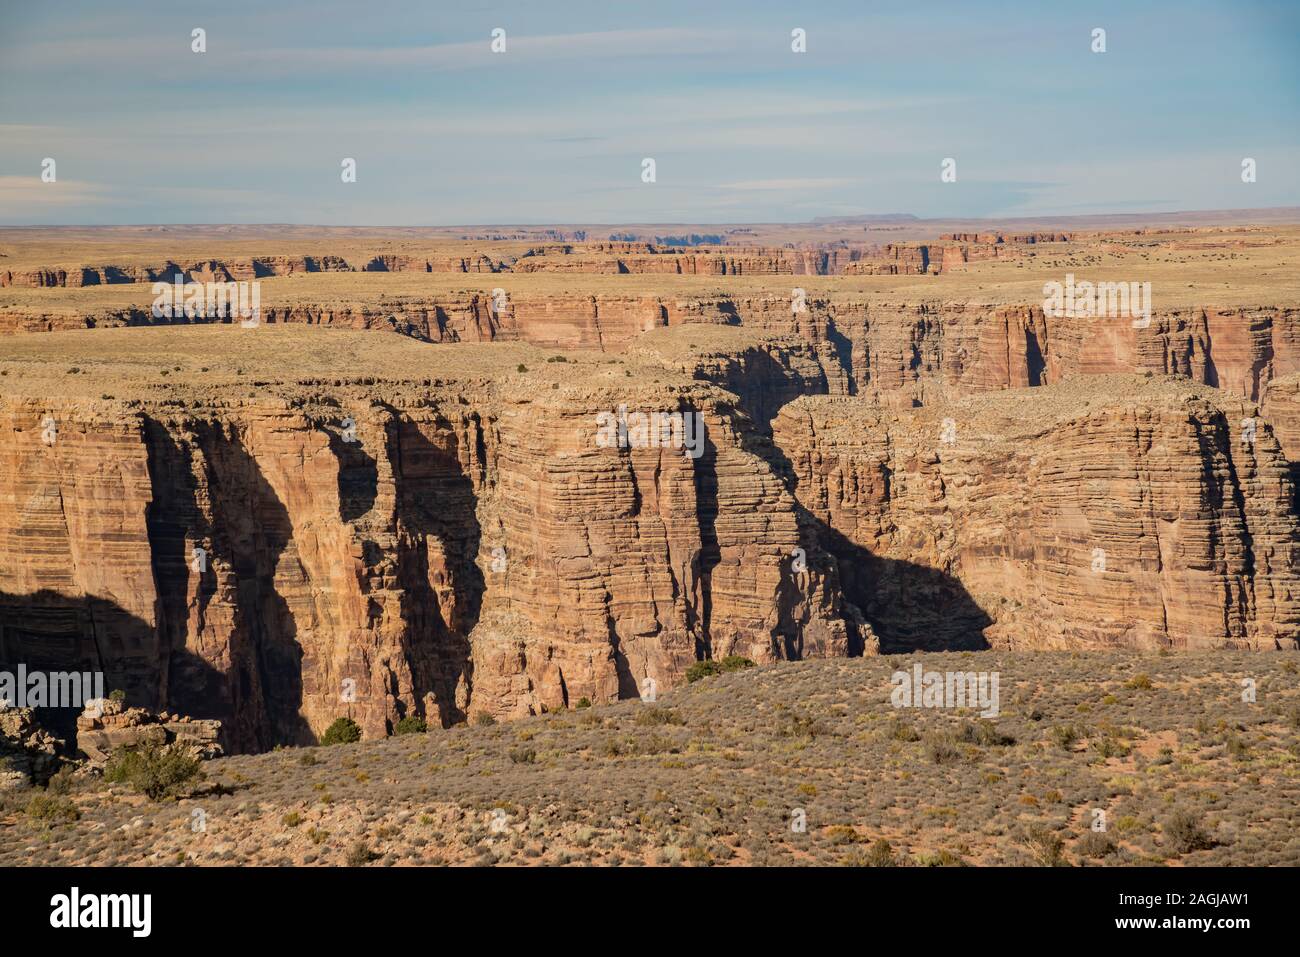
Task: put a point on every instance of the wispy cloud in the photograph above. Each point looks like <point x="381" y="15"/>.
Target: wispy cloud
<point x="804" y="183"/>
<point x="23" y="195"/>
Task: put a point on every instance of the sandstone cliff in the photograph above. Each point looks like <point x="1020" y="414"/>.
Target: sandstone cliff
<point x="276" y="552"/>
<point x="1095" y="513"/>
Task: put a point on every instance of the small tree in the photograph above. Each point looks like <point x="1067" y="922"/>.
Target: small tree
<point x="410" y="725"/>
<point x="705" y="669"/>
<point x="342" y="731"/>
<point x="154" y="770"/>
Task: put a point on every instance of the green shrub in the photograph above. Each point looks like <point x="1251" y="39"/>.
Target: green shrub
<point x="702" y="669"/>
<point x="156" y="771"/>
<point x="410" y="725"/>
<point x="484" y="719"/>
<point x="583" y="703"/>
<point x="118" y="695"/>
<point x="342" y="731"/>
<point x="47" y="811"/>
<point x="705" y="669"/>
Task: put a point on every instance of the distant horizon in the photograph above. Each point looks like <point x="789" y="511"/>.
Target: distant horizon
<point x="1238" y="217"/>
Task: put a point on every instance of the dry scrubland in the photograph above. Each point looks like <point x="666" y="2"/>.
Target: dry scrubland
<point x="711" y="774"/>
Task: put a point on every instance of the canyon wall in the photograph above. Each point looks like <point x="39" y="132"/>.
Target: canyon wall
<point x="462" y="550"/>
<point x="1098" y="513"/>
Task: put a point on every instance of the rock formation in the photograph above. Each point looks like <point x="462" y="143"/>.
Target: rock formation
<point x="389" y="498"/>
<point x="1095" y="513"/>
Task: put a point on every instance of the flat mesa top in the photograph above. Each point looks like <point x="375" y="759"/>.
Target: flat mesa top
<point x="171" y="359"/>
<point x="1226" y="267"/>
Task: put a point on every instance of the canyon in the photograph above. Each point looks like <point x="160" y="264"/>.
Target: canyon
<point x="386" y="498"/>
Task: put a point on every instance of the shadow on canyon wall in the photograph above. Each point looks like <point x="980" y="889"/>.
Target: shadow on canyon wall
<point x="51" y="632"/>
<point x="910" y="607"/>
<point x="245" y="620"/>
<point x="438" y="538"/>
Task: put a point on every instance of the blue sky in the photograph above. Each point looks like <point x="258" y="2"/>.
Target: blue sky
<point x="554" y="130"/>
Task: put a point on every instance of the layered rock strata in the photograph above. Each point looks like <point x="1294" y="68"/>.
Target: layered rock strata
<point x="1098" y="513"/>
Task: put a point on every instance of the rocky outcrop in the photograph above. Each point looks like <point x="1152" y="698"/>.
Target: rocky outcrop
<point x="1096" y="513"/>
<point x="106" y="725"/>
<point x="28" y="753"/>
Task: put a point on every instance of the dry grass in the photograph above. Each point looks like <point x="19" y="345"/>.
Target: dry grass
<point x="723" y="767"/>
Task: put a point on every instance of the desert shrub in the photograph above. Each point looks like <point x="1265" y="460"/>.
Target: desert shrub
<point x="156" y="771"/>
<point x="118" y="695"/>
<point x="1141" y="682"/>
<point x="940" y="748"/>
<point x="521" y="368"/>
<point x="702" y="669"/>
<point x="523" y="756"/>
<point x="651" y="716"/>
<point x="360" y="854"/>
<point x="881" y="854"/>
<point x="583" y="703"/>
<point x="941" y="859"/>
<point x="841" y="834"/>
<point x="902" y="731"/>
<point x="705" y="669"/>
<point x="342" y="731"/>
<point x="1065" y="736"/>
<point x="308" y="760"/>
<point x="1108" y="746"/>
<point x="1094" y="844"/>
<point x="47" y="811"/>
<point x="797" y="725"/>
<point x="1045" y="847"/>
<point x="410" y="725"/>
<point x="984" y="733"/>
<point x="61" y="781"/>
<point x="1186" y="832"/>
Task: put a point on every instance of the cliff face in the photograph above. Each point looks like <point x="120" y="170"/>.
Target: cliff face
<point x="1097" y="513"/>
<point x="896" y="351"/>
<point x="465" y="546"/>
